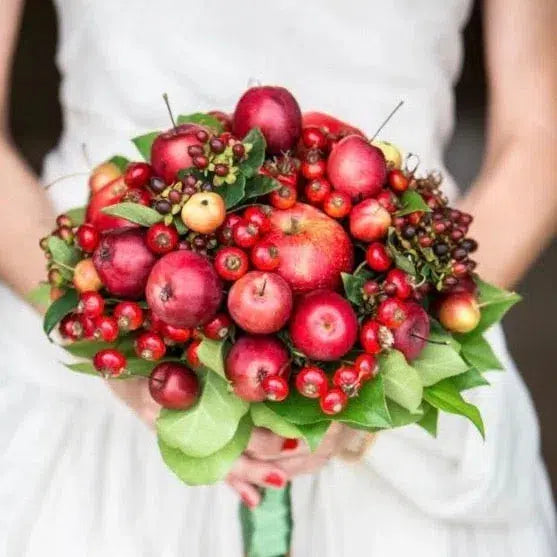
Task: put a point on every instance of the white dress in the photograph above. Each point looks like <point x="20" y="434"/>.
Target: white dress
<point x="80" y="476"/>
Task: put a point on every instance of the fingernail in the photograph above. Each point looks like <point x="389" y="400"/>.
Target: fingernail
<point x="247" y="500"/>
<point x="289" y="444"/>
<point x="274" y="479"/>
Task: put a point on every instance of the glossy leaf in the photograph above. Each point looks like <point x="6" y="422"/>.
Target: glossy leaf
<point x="59" y="309"/>
<point x="61" y="252"/>
<point x="134" y="212"/>
<point x="256" y="154"/>
<point x="478" y="353"/>
<point x="144" y="144"/>
<point x="233" y="193"/>
<point x="120" y="162"/>
<point x="260" y="185"/>
<point x="201" y="119"/>
<point x="264" y="416"/>
<point x="314" y="433"/>
<point x="77" y="215"/>
<point x="402" y="382"/>
<point x="430" y="419"/>
<point x="211" y="355"/>
<point x="469" y="380"/>
<point x="400" y="417"/>
<point x="411" y="202"/>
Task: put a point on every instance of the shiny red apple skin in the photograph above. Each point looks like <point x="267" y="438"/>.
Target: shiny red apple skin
<point x="369" y="221"/>
<point x="111" y="194"/>
<point x="183" y="289"/>
<point x="250" y="360"/>
<point x="323" y="325"/>
<point x="329" y="124"/>
<point x="356" y="167"/>
<point x="260" y="302"/>
<point x="411" y="337"/>
<point x="314" y="248"/>
<point x="459" y="313"/>
<point x="273" y="110"/>
<point x="174" y="385"/>
<point x="169" y="152"/>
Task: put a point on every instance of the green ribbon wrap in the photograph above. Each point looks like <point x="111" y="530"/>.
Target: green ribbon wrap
<point x="267" y="529"/>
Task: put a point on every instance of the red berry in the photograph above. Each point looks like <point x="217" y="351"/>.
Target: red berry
<point x="106" y="328"/>
<point x="224" y="233"/>
<point x="191" y="354"/>
<point x="402" y="282"/>
<point x="370" y="288"/>
<point x="259" y="217"/>
<point x="129" y="316"/>
<point x="219" y="327"/>
<point x="388" y="200"/>
<point x="313" y="169"/>
<point x="245" y="234"/>
<point x="91" y="304"/>
<point x="392" y="313"/>
<point x="378" y="258"/>
<point x="109" y="362"/>
<point x="415" y="218"/>
<point x="375" y="337"/>
<point x="174" y="386"/>
<point x="317" y="190"/>
<point x="231" y="263"/>
<point x="311" y="382"/>
<point x="347" y="379"/>
<point x="162" y="238"/>
<point x="334" y="401"/>
<point x="139" y="196"/>
<point x="337" y="204"/>
<point x="150" y="346"/>
<point x="89" y="326"/>
<point x="275" y="387"/>
<point x="397" y="180"/>
<point x="175" y="334"/>
<point x="366" y="367"/>
<point x="200" y="161"/>
<point x="71" y="327"/>
<point x="88" y="238"/>
<point x="138" y="174"/>
<point x="283" y="197"/>
<point x="314" y="138"/>
<point x="265" y="256"/>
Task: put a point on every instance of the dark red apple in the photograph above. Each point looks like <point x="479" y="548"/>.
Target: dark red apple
<point x="183" y="289"/>
<point x="111" y="194"/>
<point x="459" y="313"/>
<point x="356" y="167"/>
<point x="123" y="262"/>
<point x="329" y="124"/>
<point x="250" y="360"/>
<point x="174" y="385"/>
<point x="314" y="248"/>
<point x="323" y="325"/>
<point x="274" y="111"/>
<point x="369" y="220"/>
<point x="260" y="302"/>
<point x="169" y="152"/>
<point x="411" y="337"/>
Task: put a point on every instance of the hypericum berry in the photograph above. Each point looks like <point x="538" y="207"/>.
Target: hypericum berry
<point x="346" y="378"/>
<point x="163" y="206"/>
<point x="311" y="382"/>
<point x="284" y="197"/>
<point x="157" y="185"/>
<point x="150" y="346"/>
<point x="388" y="200"/>
<point x="375" y="337"/>
<point x="465" y="219"/>
<point x="217" y="145"/>
<point x="392" y="313"/>
<point x="459" y="269"/>
<point x="195" y="150"/>
<point x="440" y="249"/>
<point x="459" y="254"/>
<point x="106" y="328"/>
<point x="43" y="243"/>
<point x="313" y="168"/>
<point x="314" y="138"/>
<point x="258" y="216"/>
<point x="378" y="258"/>
<point x="70" y="327"/>
<point x="402" y="282"/>
<point x="90" y="304"/>
<point x="139" y="196"/>
<point x="175" y="334"/>
<point x="192" y="356"/>
<point x="219" y="327"/>
<point x="200" y="161"/>
<point x="55" y="277"/>
<point x="265" y="256"/>
<point x="397" y="180"/>
<point x="202" y="136"/>
<point x="161" y="238"/>
<point x="245" y="234"/>
<point x="64" y="220"/>
<point x="65" y="233"/>
<point x="317" y="190"/>
<point x="469" y="245"/>
<point x="238" y="150"/>
<point x="366" y="367"/>
<point x="425" y="241"/>
<point x="138" y="174"/>
<point x="173" y="385"/>
<point x="275" y="387"/>
<point x="85" y="276"/>
<point x="221" y="170"/>
<point x="231" y="263"/>
<point x="337" y="204"/>
<point x="333" y="401"/>
<point x="109" y="362"/>
<point x="408" y="232"/>
<point x="129" y="316"/>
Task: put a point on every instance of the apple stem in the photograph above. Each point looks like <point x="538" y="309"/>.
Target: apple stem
<point x="441" y="342"/>
<point x="262" y="291"/>
<point x="61" y="178"/>
<point x="359" y="267"/>
<point x="166" y="101"/>
<point x="386" y="121"/>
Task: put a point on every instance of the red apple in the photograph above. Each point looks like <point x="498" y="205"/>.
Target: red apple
<point x="356" y="167"/>
<point x="274" y="111"/>
<point x="260" y="302"/>
<point x="314" y="248"/>
<point x="369" y="221"/>
<point x="329" y="124"/>
<point x="250" y="360"/>
<point x="411" y="337"/>
<point x="323" y="326"/>
<point x="123" y="262"/>
<point x="183" y="289"/>
<point x="169" y="152"/>
<point x="111" y="194"/>
<point x="174" y="385"/>
<point x="459" y="313"/>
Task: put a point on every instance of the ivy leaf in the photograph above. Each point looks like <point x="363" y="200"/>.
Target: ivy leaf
<point x="212" y="468"/>
<point x="402" y="382"/>
<point x="400" y="417"/>
<point x="260" y="185"/>
<point x="478" y="353"/>
<point x="77" y="215"/>
<point x="144" y="144"/>
<point x="59" y="309"/>
<point x="314" y="433"/>
<point x="256" y="154"/>
<point x="134" y="212"/>
<point x="211" y="355"/>
<point x="206" y="427"/>
<point x="445" y="396"/>
<point x="61" y="252"/>
<point x="429" y="419"/>
<point x="40" y="295"/>
<point x="469" y="380"/>
<point x="233" y="193"/>
<point x="122" y="162"/>
<point x="202" y="119"/>
<point x="264" y="416"/>
<point x="353" y="285"/>
<point x="411" y="202"/>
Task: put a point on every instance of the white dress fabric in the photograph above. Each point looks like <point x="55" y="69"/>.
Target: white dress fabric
<point x="80" y="475"/>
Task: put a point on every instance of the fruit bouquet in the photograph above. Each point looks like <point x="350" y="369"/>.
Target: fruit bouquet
<point x="271" y="269"/>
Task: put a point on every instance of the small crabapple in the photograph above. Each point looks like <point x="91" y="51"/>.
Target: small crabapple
<point x="275" y="387"/>
<point x="192" y="356"/>
<point x="337" y="204"/>
<point x="106" y="328"/>
<point x="231" y="263"/>
<point x="129" y="316"/>
<point x="311" y="382"/>
<point x="245" y="234"/>
<point x="219" y="327"/>
<point x="71" y="327"/>
<point x="284" y="197"/>
<point x="110" y="362"/>
<point x="138" y="174"/>
<point x="174" y="385"/>
<point x="265" y="256"/>
<point x="150" y="346"/>
<point x="402" y="282"/>
<point x="175" y="334"/>
<point x="377" y="257"/>
<point x="375" y="337"/>
<point x="317" y="190"/>
<point x="90" y="304"/>
<point x="392" y="313"/>
<point x="333" y="401"/>
<point x="161" y="238"/>
<point x="366" y="367"/>
<point x="347" y="379"/>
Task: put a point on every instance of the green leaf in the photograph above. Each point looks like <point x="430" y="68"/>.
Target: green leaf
<point x="260" y="185"/>
<point x="478" y="353"/>
<point x="139" y="366"/>
<point x="202" y="119"/>
<point x="144" y="144"/>
<point x="233" y="193"/>
<point x="40" y="295"/>
<point x="134" y="212"/>
<point x="83" y="367"/>
<point x="180" y="226"/>
<point x="207" y="426"/>
<point x="298" y="409"/>
<point x="401" y="261"/>
<point x="264" y="416"/>
<point x="61" y="252"/>
<point x="120" y="162"/>
<point x="88" y="348"/>
<point x="402" y="382"/>
<point x="211" y="355"/>
<point x="353" y="285"/>
<point x="411" y="202"/>
<point x="256" y="154"/>
<point x="59" y="309"/>
<point x="77" y="215"/>
<point x="446" y="397"/>
<point x="209" y="469"/>
<point x="472" y="378"/>
<point x="494" y="303"/>
<point x="400" y="417"/>
<point x="438" y="361"/>
<point x="429" y="419"/>
<point x="314" y="433"/>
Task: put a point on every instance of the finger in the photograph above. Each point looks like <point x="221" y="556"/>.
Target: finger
<point x="257" y="472"/>
<point x="135" y="393"/>
<point x="264" y="444"/>
<point x="249" y="495"/>
<point x="299" y="465"/>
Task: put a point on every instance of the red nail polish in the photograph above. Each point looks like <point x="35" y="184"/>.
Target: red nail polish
<point x="274" y="479"/>
<point x="289" y="444"/>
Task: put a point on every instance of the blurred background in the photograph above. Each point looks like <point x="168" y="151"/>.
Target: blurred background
<point x="35" y="124"/>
